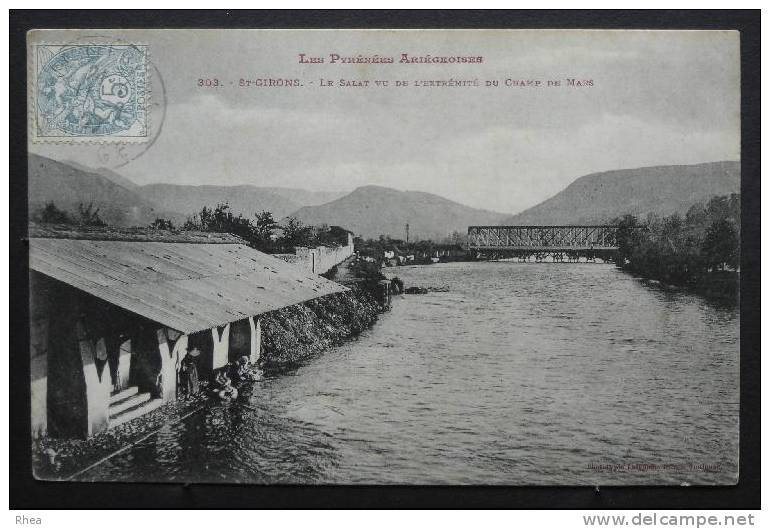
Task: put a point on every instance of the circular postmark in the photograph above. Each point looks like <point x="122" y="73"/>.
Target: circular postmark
<point x="119" y="97"/>
<point x="116" y="155"/>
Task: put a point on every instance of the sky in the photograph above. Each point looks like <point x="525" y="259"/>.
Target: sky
<point x="657" y="98"/>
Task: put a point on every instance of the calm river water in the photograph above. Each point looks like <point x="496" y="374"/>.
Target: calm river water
<point x="515" y="373"/>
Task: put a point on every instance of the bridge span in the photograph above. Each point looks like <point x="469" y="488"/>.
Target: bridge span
<point x="559" y="242"/>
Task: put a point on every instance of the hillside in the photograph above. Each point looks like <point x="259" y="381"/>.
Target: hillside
<point x="303" y="197"/>
<point x="372" y="211"/>
<point x="246" y="200"/>
<point x="600" y="197"/>
<point x="109" y="174"/>
<point x="68" y="186"/>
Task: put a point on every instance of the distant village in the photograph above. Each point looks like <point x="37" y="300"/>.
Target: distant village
<point x="396" y="252"/>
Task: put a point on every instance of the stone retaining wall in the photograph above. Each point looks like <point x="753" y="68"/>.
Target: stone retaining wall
<point x="318" y="260"/>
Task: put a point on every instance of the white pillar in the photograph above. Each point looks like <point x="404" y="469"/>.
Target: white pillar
<point x="170" y="359"/>
<point x="221" y="346"/>
<point x="38" y="370"/>
<point x="124" y="364"/>
<point x="165" y="361"/>
<point x="180" y="352"/>
<point x="97" y="388"/>
<point x="177" y="355"/>
<point x="256" y="339"/>
<point x="39" y="394"/>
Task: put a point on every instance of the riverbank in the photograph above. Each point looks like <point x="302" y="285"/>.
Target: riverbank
<point x="722" y="287"/>
<point x="293" y="334"/>
<point x="699" y="251"/>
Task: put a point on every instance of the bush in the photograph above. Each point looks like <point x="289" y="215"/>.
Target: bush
<point x="330" y="274"/>
<point x="86" y="215"/>
<point x="162" y="224"/>
<point x="50" y="214"/>
<point x="89" y="216"/>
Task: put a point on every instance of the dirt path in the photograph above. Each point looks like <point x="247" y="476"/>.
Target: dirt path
<point x="344" y="275"/>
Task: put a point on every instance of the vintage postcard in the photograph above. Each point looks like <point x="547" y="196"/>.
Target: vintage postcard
<point x="424" y="257"/>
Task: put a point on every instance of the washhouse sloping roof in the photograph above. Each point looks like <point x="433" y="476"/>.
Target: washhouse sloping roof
<point x="185" y="286"/>
<point x="120" y="233"/>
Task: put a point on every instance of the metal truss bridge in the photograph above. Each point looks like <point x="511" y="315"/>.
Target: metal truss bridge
<point x="559" y="242"/>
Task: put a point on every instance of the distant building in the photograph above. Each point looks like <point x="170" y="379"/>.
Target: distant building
<point x="449" y="251"/>
<point x="114" y="313"/>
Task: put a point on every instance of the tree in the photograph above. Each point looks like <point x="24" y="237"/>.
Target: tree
<point x="627" y="237"/>
<point x="220" y="220"/>
<point x="683" y="251"/>
<point x="295" y="233"/>
<point x="89" y="216"/>
<point x="721" y="246"/>
<point x="696" y="215"/>
<point x="331" y="235"/>
<point x="264" y="226"/>
<point x="50" y="214"/>
<point x="457" y="238"/>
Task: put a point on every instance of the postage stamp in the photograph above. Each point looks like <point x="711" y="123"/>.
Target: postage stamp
<point x="90" y="92"/>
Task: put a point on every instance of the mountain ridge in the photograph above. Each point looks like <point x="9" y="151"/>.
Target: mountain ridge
<point x="68" y="186"/>
<point x="599" y="198"/>
<point x="373" y="210"/>
<point x="370" y="211"/>
<point x="246" y="200"/>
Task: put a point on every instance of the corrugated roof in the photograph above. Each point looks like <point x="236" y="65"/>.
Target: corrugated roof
<point x="186" y="286"/>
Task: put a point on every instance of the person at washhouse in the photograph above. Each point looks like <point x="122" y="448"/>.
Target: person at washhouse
<point x="223" y="384"/>
<point x="188" y="373"/>
<point x="227" y="379"/>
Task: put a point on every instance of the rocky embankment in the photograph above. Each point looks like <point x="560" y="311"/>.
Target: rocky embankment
<point x="294" y="333"/>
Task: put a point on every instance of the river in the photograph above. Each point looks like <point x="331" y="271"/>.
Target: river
<point x="509" y="373"/>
